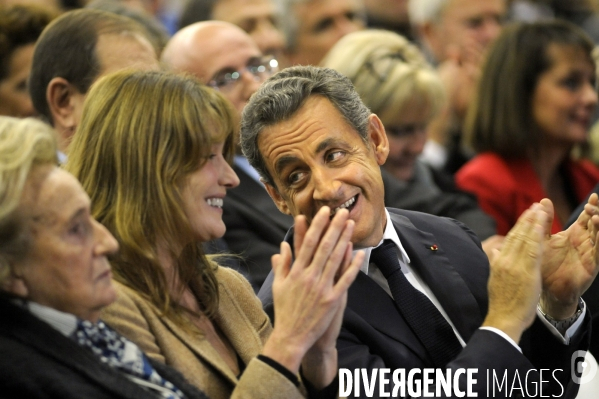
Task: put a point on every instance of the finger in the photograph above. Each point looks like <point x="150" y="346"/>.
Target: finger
<point x="299" y="231"/>
<point x="334" y="263"/>
<point x="515" y="237"/>
<point x="311" y="239"/>
<point x="331" y="248"/>
<point x="281" y="262"/>
<point x="549" y="211"/>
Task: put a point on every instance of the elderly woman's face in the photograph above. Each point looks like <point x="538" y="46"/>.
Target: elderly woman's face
<point x="66" y="266"/>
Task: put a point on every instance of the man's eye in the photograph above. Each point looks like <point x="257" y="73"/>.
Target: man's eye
<point x="334" y="155"/>
<point x="295" y="177"/>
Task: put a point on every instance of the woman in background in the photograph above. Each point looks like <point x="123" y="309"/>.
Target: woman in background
<point x="152" y="151"/>
<point x="20" y="26"/>
<point x="535" y="102"/>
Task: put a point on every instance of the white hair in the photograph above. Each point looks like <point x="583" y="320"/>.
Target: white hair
<point x="423" y="11"/>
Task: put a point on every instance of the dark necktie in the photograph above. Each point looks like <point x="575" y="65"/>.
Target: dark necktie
<point x="424" y="318"/>
<point x="122" y="354"/>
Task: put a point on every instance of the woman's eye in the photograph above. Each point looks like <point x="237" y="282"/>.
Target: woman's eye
<point x="77" y="229"/>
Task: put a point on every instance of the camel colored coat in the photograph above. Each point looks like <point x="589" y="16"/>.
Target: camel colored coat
<point x="240" y="317"/>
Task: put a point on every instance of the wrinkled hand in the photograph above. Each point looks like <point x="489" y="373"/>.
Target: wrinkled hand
<point x="515" y="281"/>
<point x="309" y="298"/>
<point x="570" y="261"/>
<point x="491" y="244"/>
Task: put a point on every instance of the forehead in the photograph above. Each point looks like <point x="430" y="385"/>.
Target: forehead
<point x="460" y="10"/>
<point x="221" y="48"/>
<point x="53" y="195"/>
<point x="564" y="57"/>
<point x="118" y="51"/>
<point x="317" y="122"/>
<point x="236" y="11"/>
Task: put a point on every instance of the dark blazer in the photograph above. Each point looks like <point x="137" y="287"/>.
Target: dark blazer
<point x="255" y="227"/>
<point x="375" y="334"/>
<point x="37" y="361"/>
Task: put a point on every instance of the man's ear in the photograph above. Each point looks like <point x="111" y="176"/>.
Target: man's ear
<point x="277" y="198"/>
<point x="378" y="139"/>
<point x="64" y="102"/>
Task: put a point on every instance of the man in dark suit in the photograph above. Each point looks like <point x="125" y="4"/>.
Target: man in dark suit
<point x="213" y="50"/>
<point x="315" y="144"/>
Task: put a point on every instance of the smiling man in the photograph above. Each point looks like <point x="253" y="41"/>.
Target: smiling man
<point x="421" y="300"/>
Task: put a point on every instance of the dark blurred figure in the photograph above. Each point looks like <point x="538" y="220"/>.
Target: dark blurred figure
<point x="20" y="26"/>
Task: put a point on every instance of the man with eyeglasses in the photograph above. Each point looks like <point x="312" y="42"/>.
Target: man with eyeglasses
<point x="226" y="58"/>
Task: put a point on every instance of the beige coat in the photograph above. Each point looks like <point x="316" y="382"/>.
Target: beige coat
<point x="240" y="317"/>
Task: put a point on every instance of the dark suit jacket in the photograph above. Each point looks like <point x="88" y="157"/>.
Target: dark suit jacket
<point x="37" y="361"/>
<point x="255" y="227"/>
<point x="375" y="334"/>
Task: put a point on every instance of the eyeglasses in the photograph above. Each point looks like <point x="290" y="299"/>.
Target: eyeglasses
<point x="260" y="67"/>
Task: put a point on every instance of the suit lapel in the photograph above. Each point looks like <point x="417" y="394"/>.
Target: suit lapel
<point x="435" y="269"/>
<point x="254" y="195"/>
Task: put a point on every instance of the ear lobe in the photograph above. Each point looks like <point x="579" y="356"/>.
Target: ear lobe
<point x="63" y="101"/>
<point x="277" y="198"/>
<point x="378" y="139"/>
<point x="15" y="285"/>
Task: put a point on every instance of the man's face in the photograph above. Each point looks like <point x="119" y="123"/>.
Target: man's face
<point x="321" y="23"/>
<point x="317" y="159"/>
<point x="225" y="50"/>
<point x="258" y="18"/>
<point x="468" y="25"/>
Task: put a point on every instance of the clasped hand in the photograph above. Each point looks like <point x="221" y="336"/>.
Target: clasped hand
<point x="310" y="297"/>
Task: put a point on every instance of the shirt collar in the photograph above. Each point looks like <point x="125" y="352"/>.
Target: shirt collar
<point x="65" y="323"/>
<point x="243" y="163"/>
<point x="388" y="234"/>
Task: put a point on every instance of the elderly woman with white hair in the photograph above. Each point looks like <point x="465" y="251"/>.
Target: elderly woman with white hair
<point x="54" y="280"/>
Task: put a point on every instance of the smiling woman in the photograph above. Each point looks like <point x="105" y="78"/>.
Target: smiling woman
<point x="529" y="114"/>
<point x="152" y="151"/>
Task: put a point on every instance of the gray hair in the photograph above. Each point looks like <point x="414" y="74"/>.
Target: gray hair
<point x="24" y="144"/>
<point x="425" y="11"/>
<point x="284" y="94"/>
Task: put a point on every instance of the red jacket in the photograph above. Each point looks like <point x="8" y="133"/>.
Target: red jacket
<point x="506" y="188"/>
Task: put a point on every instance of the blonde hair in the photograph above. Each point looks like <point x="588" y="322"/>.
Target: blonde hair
<point x="389" y="73"/>
<point x="141" y="134"/>
<point x="24" y="145"/>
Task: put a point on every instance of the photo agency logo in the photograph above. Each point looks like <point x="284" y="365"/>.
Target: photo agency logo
<point x="583" y="370"/>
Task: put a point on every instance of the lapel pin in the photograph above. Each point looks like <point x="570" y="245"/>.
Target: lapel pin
<point x="434" y="247"/>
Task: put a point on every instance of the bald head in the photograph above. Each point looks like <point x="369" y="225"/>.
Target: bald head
<point x="211" y="48"/>
<point x="200" y="48"/>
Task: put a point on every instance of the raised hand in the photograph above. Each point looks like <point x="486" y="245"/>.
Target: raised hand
<point x="309" y="298"/>
<point x="570" y="261"/>
<point x="515" y="281"/>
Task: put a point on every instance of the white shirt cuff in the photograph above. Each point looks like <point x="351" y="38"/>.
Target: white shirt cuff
<point x="504" y="335"/>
